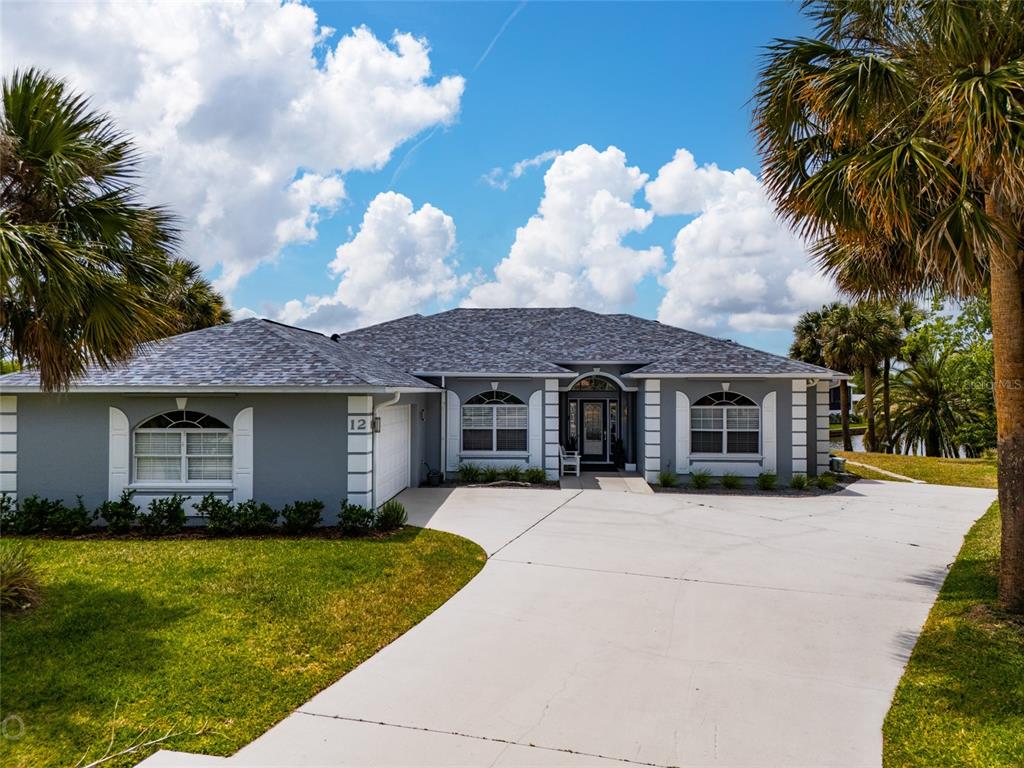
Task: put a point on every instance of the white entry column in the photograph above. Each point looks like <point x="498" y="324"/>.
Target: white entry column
<point x="652" y="429"/>
<point x="551" y="457"/>
<point x="799" y="426"/>
<point x="360" y="450"/>
<point x="821" y="416"/>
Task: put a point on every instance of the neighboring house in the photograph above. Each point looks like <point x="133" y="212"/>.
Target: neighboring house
<point x="256" y="409"/>
<point x="834" y="409"/>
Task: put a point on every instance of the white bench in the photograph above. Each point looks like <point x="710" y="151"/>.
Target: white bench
<point x="568" y="460"/>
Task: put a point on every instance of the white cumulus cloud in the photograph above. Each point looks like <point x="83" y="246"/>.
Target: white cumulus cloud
<point x="247" y="114"/>
<point x="399" y="262"/>
<point x="735" y="265"/>
<point x="571" y="252"/>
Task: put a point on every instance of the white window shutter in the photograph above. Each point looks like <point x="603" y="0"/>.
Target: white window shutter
<point x="242" y="451"/>
<point x="117" y="458"/>
<point x="769" y="441"/>
<point x="682" y="433"/>
<point x="454" y="432"/>
<point x="536" y="428"/>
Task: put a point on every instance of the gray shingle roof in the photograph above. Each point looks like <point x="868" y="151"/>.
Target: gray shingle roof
<point x="244" y="355"/>
<point x="542" y="340"/>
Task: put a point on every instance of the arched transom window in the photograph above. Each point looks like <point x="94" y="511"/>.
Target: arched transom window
<point x="725" y="422"/>
<point x="593" y="384"/>
<point x="182" y="446"/>
<point x="494" y="421"/>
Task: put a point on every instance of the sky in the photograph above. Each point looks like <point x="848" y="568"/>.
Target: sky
<point x="341" y="164"/>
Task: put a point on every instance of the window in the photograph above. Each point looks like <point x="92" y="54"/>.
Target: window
<point x="725" y="422"/>
<point x="593" y="384"/>
<point x="494" y="421"/>
<point x="182" y="446"/>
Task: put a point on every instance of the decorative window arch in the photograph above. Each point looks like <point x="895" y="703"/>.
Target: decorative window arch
<point x="725" y="422"/>
<point x="183" y="447"/>
<point x="494" y="421"/>
<point x="593" y="383"/>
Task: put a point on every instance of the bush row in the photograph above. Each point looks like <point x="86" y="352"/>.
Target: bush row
<point x="166" y="515"/>
<point x="766" y="481"/>
<point x="471" y="473"/>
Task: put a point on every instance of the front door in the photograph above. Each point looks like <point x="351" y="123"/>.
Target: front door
<point x="594" y="445"/>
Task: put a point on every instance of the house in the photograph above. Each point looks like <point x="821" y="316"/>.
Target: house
<point x="257" y="409"/>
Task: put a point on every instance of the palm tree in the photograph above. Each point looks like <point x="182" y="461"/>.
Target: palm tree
<point x="838" y="351"/>
<point x="893" y="140"/>
<point x="195" y="302"/>
<point x="926" y="410"/>
<point x="808" y="346"/>
<point x="81" y="258"/>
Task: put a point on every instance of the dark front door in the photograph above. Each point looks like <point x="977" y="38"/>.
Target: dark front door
<point x="594" y="430"/>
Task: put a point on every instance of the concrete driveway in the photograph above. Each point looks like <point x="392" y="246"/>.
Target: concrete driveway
<point x="668" y="629"/>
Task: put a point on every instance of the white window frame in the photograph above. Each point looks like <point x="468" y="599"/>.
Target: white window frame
<point x="724" y="409"/>
<point x="493" y="408"/>
<point x="183" y="479"/>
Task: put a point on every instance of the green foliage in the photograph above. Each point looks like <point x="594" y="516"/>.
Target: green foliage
<point x="799" y="481"/>
<point x="256" y="517"/>
<point x="513" y="473"/>
<point x="390" y="516"/>
<point x="354" y="520"/>
<point x="119" y="515"/>
<point x="469" y="473"/>
<point x="166" y="514"/>
<point x="826" y="481"/>
<point x="19" y="577"/>
<point x="489" y="475"/>
<point x="700" y="479"/>
<point x="668" y="479"/>
<point x="767" y="481"/>
<point x="301" y="516"/>
<point x="219" y="514"/>
<point x="731" y="481"/>
<point x="68" y="521"/>
<point x="535" y="476"/>
<point x="24" y="517"/>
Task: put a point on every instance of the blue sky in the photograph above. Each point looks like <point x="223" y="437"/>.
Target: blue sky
<point x="647" y="78"/>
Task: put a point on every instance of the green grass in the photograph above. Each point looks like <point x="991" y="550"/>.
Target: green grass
<point x="961" y="699"/>
<point x="220" y="636"/>
<point x="976" y="473"/>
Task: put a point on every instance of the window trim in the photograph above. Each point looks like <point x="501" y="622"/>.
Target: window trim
<point x="493" y="403"/>
<point x="725" y="405"/>
<point x="182" y="481"/>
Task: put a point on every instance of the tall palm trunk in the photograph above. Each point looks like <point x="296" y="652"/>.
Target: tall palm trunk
<point x="886" y="416"/>
<point x="871" y="438"/>
<point x="844" y="414"/>
<point x="1007" y="286"/>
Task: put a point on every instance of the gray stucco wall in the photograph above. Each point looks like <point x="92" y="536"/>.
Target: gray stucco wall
<point x="755" y="389"/>
<point x="299" y="445"/>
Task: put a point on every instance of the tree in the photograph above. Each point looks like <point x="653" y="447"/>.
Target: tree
<point x="192" y="298"/>
<point x="839" y="352"/>
<point x="893" y="140"/>
<point x="809" y="346"/>
<point x="928" y="409"/>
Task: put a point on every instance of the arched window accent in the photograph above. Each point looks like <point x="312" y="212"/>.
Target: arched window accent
<point x="725" y="422"/>
<point x="593" y="384"/>
<point x="183" y="447"/>
<point x="494" y="421"/>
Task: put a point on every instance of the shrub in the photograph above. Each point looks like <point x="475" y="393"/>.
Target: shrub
<point x="700" y="479"/>
<point x="390" y="516"/>
<point x="219" y="513"/>
<point x="826" y="481"/>
<point x="667" y="478"/>
<point x="165" y="515"/>
<point x="513" y="473"/>
<point x="30" y="515"/>
<point x="469" y="473"/>
<point x="69" y="520"/>
<point x="8" y="509"/>
<point x="19" y="580"/>
<point x="535" y="476"/>
<point x="119" y="515"/>
<point x="355" y="520"/>
<point x="731" y="481"/>
<point x="301" y="516"/>
<point x="489" y="475"/>
<point x="766" y="481"/>
<point x="256" y="517"/>
<point x="798" y="482"/>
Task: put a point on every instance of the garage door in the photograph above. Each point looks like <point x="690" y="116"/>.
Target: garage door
<point x="391" y="453"/>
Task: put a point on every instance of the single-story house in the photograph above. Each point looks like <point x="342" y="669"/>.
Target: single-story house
<point x="257" y="409"/>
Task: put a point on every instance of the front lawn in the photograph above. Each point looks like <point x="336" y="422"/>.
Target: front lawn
<point x="976" y="473"/>
<point x="136" y="638"/>
<point x="961" y="699"/>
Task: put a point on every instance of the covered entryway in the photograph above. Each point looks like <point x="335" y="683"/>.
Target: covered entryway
<point x="598" y="421"/>
<point x="391" y="453"/>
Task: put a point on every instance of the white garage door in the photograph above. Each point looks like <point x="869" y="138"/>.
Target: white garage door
<point x="391" y="453"/>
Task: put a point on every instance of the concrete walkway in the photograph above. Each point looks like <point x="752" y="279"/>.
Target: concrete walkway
<point x="610" y="480"/>
<point x="616" y="629"/>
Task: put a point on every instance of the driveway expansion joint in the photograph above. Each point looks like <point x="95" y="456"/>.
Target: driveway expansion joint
<point x="535" y="524"/>
<point x="494" y="739"/>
